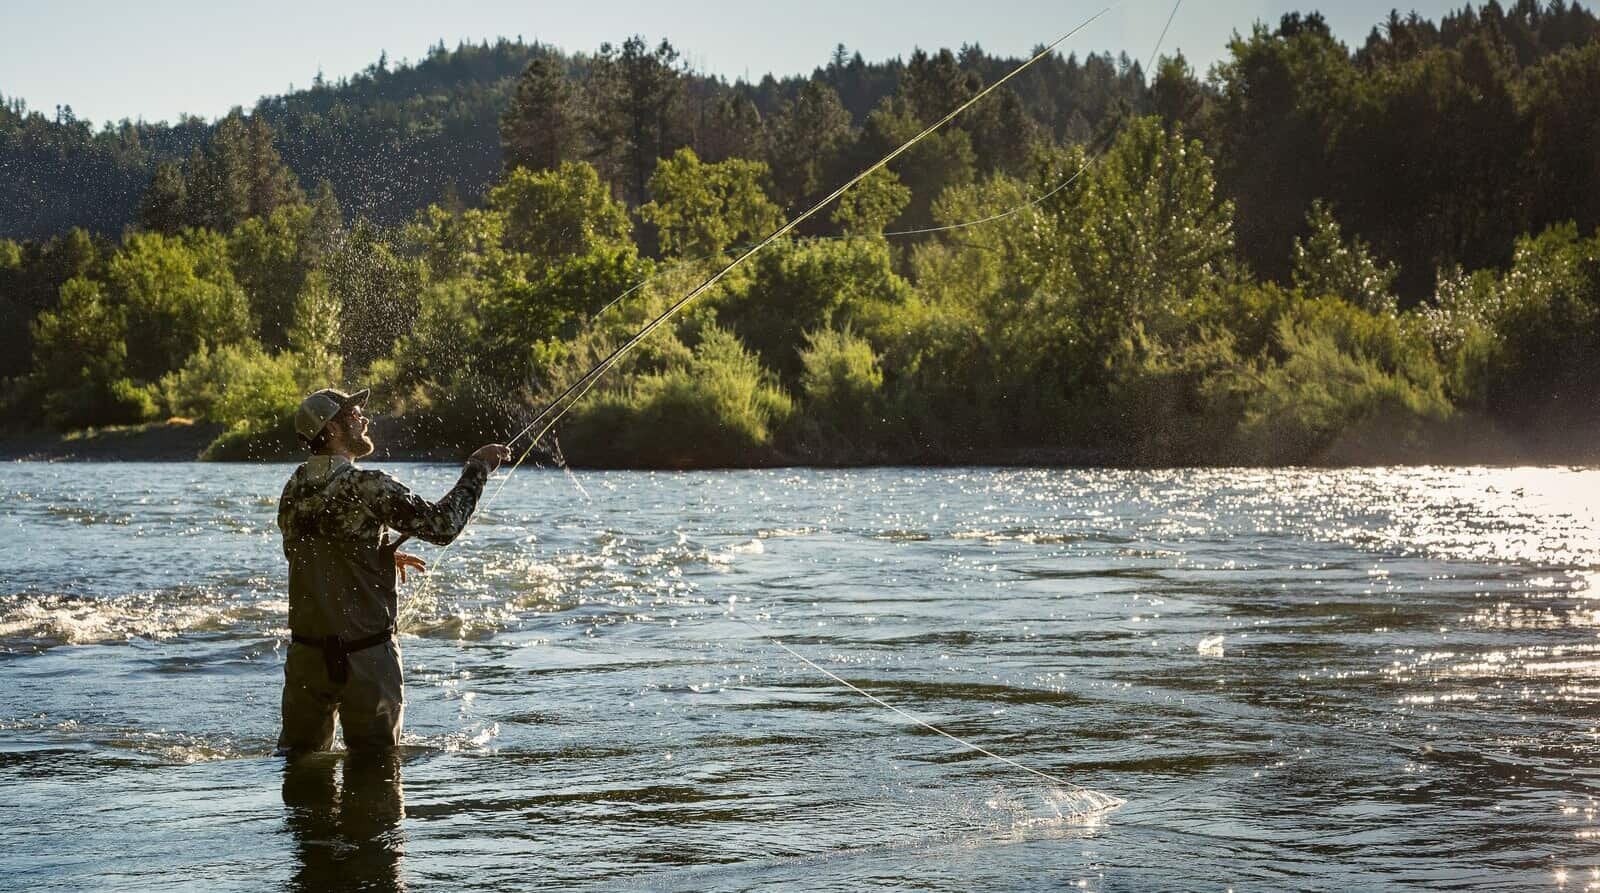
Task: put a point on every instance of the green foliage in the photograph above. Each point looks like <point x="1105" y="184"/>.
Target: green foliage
<point x="271" y="260"/>
<point x="807" y="138"/>
<point x="377" y="290"/>
<point x="1280" y="95"/>
<point x="1178" y="97"/>
<point x="236" y="176"/>
<point x="33" y="285"/>
<point x="440" y="346"/>
<point x="315" y="333"/>
<point x="1147" y="236"/>
<point x="540" y="125"/>
<point x="79" y="353"/>
<point x="842" y="384"/>
<point x="1109" y="305"/>
<point x="177" y="293"/>
<point x="719" y="409"/>
<point x="870" y="205"/>
<point x="1560" y="99"/>
<point x="455" y="243"/>
<point x="165" y="206"/>
<point x="700" y="208"/>
<point x="943" y="159"/>
<point x="1522" y="346"/>
<point x="1328" y="265"/>
<point x="531" y="306"/>
<point x="238" y="385"/>
<point x="634" y="89"/>
<point x="793" y="288"/>
<point x="564" y="212"/>
<point x="1340" y="373"/>
<point x="1178" y="404"/>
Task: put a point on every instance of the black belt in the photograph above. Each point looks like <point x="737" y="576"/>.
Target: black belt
<point x="336" y="651"/>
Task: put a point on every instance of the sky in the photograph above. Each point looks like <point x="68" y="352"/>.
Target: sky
<point x="158" y="59"/>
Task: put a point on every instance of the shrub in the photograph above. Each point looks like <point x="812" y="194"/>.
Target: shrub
<point x="843" y="387"/>
<point x="238" y="385"/>
<point x="1344" y="374"/>
<point x="720" y="409"/>
<point x="94" y="402"/>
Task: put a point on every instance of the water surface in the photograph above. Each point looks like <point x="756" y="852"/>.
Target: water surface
<point x="1358" y="679"/>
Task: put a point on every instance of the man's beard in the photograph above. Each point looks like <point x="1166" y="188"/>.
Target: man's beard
<point x="363" y="447"/>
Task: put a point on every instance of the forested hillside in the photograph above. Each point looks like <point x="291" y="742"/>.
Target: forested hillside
<point x="1311" y="252"/>
<point x="397" y="138"/>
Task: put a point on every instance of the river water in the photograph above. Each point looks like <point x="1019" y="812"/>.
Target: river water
<point x="1235" y="679"/>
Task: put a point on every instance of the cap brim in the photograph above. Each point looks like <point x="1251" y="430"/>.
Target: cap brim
<point x="359" y="398"/>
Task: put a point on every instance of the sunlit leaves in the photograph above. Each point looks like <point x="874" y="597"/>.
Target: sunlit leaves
<point x="700" y="209"/>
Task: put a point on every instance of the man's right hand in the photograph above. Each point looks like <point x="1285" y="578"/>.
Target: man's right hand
<point x="492" y="454"/>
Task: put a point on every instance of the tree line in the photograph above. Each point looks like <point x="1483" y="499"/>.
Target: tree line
<point x="1312" y="253"/>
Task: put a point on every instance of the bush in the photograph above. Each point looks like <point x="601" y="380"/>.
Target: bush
<point x="238" y="385"/>
<point x="718" y="410"/>
<point x="792" y="288"/>
<point x="92" y="402"/>
<point x="1344" y="375"/>
<point x="843" y="387"/>
<point x="1177" y="405"/>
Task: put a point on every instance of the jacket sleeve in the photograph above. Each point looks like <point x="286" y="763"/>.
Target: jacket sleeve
<point x="286" y="514"/>
<point x="399" y="509"/>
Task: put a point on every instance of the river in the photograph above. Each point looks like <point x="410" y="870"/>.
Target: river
<point x="1241" y="679"/>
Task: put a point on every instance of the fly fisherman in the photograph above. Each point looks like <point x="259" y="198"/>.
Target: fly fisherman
<point x="343" y="659"/>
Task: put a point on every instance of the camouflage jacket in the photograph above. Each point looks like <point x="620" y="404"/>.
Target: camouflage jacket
<point x="333" y="516"/>
<point x="331" y="498"/>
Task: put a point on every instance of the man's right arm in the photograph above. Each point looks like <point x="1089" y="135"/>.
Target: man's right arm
<point x="436" y="522"/>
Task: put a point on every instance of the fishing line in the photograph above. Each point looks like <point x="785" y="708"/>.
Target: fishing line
<point x="578" y="389"/>
<point x="1074" y="788"/>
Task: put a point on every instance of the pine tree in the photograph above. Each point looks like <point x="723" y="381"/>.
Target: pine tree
<point x="165" y="201"/>
<point x="807" y="139"/>
<point x="271" y="184"/>
<point x="539" y="129"/>
<point x="633" y="94"/>
<point x="218" y="177"/>
<point x="733" y="130"/>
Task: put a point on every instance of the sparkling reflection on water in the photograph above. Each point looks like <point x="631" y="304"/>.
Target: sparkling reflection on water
<point x="1358" y="679"/>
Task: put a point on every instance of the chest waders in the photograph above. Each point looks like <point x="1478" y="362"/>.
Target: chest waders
<point x="341" y="592"/>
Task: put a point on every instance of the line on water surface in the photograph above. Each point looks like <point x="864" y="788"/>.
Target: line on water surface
<point x="1075" y="788"/>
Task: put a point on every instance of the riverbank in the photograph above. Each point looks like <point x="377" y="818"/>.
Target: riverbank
<point x="185" y="440"/>
<point x="175" y="440"/>
<point x="410" y="439"/>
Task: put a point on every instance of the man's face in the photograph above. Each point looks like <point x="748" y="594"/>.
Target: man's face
<point x="350" y="429"/>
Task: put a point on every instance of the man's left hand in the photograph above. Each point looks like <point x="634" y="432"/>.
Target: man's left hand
<point x="404" y="562"/>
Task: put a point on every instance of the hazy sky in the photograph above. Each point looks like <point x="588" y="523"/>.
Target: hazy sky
<point x="156" y="59"/>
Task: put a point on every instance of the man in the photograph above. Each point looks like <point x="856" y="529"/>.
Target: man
<point x="343" y="659"/>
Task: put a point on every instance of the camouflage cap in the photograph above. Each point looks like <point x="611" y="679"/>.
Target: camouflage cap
<point x="317" y="409"/>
